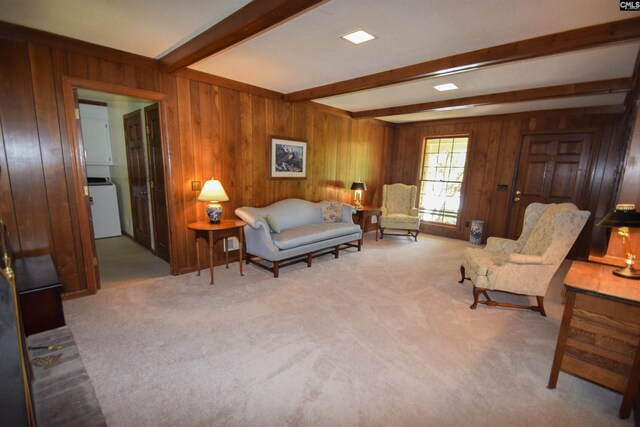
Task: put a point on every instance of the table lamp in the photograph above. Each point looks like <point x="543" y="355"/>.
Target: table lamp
<point x="358" y="187"/>
<point x="624" y="217"/>
<point x="213" y="193"/>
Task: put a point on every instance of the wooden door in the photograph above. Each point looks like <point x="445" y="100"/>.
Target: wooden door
<point x="157" y="184"/>
<point x="137" y="178"/>
<point x="552" y="169"/>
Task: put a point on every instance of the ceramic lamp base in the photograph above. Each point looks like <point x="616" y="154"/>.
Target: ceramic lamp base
<point x="214" y="211"/>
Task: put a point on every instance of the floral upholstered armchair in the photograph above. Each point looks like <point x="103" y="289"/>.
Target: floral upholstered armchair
<point x="398" y="210"/>
<point x="527" y="265"/>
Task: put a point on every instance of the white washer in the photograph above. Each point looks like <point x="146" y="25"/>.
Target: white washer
<point x="104" y="210"/>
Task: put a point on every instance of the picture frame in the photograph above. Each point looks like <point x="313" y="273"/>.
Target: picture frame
<point x="288" y="158"/>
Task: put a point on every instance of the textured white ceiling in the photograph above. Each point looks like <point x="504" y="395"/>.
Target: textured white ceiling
<point x="307" y="51"/>
<point x="146" y="27"/>
<point x="576" y="67"/>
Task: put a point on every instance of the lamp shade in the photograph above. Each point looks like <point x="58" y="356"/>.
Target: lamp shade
<point x="625" y="215"/>
<point x="359" y="186"/>
<point x="213" y="192"/>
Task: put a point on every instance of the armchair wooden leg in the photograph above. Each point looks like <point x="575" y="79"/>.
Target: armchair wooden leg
<point x="381" y="233"/>
<point x="541" y="306"/>
<point x="309" y="259"/>
<point x="336" y="251"/>
<point x="276" y="268"/>
<point x="476" y="294"/>
<point x="462" y="271"/>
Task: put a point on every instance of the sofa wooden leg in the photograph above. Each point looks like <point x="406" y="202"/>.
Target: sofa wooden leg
<point x="309" y="260"/>
<point x="276" y="268"/>
<point x="462" y="271"/>
<point x="359" y="245"/>
<point x="541" y="306"/>
<point x="415" y="236"/>
<point x="381" y="233"/>
<point x="336" y="251"/>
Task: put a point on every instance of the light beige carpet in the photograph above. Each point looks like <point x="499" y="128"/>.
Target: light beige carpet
<point x="121" y="261"/>
<point x="383" y="337"/>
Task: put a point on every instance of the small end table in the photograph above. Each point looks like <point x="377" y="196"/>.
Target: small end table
<point x="361" y="218"/>
<point x="211" y="233"/>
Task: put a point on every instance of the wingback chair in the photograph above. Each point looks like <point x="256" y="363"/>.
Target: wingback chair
<point x="527" y="265"/>
<point x="398" y="211"/>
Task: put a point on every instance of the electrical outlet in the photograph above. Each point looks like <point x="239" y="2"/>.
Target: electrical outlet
<point x="196" y="185"/>
<point x="233" y="244"/>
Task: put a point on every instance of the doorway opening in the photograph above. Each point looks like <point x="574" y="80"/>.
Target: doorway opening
<point x="125" y="176"/>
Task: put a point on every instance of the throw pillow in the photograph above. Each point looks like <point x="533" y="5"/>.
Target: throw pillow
<point x="331" y="211"/>
<point x="273" y="224"/>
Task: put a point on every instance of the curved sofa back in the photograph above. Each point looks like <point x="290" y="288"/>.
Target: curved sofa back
<point x="289" y="213"/>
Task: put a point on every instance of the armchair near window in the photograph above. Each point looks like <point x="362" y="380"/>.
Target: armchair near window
<point x="527" y="265"/>
<point x="398" y="211"/>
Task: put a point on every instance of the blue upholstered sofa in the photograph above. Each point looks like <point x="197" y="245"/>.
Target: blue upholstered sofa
<point x="294" y="230"/>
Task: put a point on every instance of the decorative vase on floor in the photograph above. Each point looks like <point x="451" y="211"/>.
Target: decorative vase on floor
<point x="475" y="236"/>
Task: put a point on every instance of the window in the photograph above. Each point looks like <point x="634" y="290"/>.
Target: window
<point x="441" y="181"/>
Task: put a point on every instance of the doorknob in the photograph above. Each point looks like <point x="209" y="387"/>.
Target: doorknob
<point x="518" y="192"/>
<point x="517" y="199"/>
<point x="90" y="200"/>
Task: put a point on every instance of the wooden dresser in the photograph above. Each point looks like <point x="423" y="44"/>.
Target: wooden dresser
<point x="599" y="338"/>
<point x="39" y="291"/>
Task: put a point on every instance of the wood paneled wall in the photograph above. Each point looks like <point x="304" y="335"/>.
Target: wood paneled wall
<point x="225" y="133"/>
<point x="209" y="130"/>
<point x="492" y="160"/>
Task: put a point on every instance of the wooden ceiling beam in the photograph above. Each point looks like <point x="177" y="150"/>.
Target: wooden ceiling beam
<point x="561" y="91"/>
<point x="582" y="38"/>
<point x="255" y="17"/>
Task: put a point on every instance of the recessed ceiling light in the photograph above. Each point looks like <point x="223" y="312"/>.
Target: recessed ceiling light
<point x="455" y="107"/>
<point x="446" y="86"/>
<point x="358" y="37"/>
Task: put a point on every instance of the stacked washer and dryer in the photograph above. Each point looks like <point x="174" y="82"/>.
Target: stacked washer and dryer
<point x="103" y="196"/>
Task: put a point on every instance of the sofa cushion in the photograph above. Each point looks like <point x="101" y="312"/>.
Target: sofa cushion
<point x="273" y="223"/>
<point x="300" y="236"/>
<point x="331" y="211"/>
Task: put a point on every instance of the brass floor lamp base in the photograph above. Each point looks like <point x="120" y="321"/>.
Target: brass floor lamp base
<point x="627" y="272"/>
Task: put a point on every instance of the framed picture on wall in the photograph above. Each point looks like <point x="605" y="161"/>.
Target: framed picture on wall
<point x="288" y="158"/>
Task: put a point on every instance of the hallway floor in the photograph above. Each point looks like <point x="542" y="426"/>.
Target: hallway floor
<point x="121" y="261"/>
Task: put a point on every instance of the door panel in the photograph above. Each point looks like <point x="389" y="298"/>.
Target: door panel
<point x="137" y="178"/>
<point x="552" y="169"/>
<point x="158" y="191"/>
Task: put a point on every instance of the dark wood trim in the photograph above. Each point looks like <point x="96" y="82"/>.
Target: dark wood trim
<point x="252" y="19"/>
<point x="89" y="102"/>
<point x="20" y="33"/>
<point x="582" y="38"/>
<point x="211" y="79"/>
<point x="78" y="186"/>
<point x="114" y="88"/>
<point x="610" y="109"/>
<point x="78" y="164"/>
<point x="560" y="91"/>
<point x="633" y="97"/>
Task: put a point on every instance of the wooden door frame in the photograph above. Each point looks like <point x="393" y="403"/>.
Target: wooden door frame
<point x="79" y="184"/>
